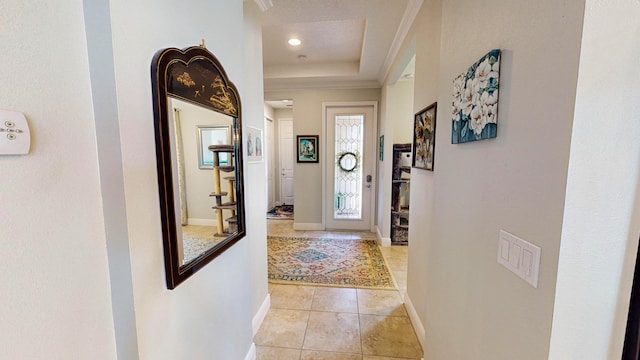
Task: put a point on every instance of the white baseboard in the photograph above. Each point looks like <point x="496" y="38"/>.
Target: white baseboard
<point x="415" y="319"/>
<point x="307" y="226"/>
<point x="258" y="318"/>
<point x="382" y="241"/>
<point x="251" y="354"/>
<point x="202" y="222"/>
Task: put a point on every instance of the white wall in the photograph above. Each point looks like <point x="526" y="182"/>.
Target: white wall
<point x="55" y="301"/>
<point x="383" y="172"/>
<point x="515" y="182"/>
<point x="209" y="314"/>
<point x="255" y="174"/>
<point x="602" y="212"/>
<point x="401" y="111"/>
<point x="307" y="120"/>
<point x="397" y="127"/>
<point x="271" y="160"/>
<point x="269" y="112"/>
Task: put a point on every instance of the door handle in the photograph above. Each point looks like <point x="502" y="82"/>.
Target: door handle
<point x="368" y="178"/>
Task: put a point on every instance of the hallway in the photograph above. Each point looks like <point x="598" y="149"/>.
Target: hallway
<point x="317" y="322"/>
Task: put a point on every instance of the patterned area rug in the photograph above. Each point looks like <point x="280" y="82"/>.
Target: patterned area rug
<point x="329" y="262"/>
<point x="196" y="239"/>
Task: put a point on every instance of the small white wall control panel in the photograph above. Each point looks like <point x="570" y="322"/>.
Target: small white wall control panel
<point x="519" y="256"/>
<point x="15" y="137"/>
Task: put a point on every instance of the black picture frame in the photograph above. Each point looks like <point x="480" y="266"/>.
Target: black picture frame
<point x="424" y="138"/>
<point x="307" y="150"/>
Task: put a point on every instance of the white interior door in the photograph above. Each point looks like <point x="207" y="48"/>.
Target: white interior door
<point x="350" y="156"/>
<point x="285" y="131"/>
<point x="271" y="169"/>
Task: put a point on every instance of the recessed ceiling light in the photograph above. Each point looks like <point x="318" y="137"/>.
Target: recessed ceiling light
<point x="294" y="42"/>
<point x="302" y="57"/>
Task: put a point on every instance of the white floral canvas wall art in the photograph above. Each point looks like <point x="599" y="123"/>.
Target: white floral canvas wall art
<point x="475" y="100"/>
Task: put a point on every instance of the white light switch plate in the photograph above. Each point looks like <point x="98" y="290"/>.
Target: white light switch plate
<point x="15" y="137"/>
<point x="519" y="256"/>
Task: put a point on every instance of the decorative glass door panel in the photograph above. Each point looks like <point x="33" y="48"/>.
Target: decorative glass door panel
<point x="348" y="148"/>
<point x="349" y="163"/>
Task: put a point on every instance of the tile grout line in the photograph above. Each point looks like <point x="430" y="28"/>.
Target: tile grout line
<point x="359" y="326"/>
<point x="304" y="337"/>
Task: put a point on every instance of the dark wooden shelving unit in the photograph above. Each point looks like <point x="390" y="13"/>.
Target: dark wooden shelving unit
<point x="401" y="178"/>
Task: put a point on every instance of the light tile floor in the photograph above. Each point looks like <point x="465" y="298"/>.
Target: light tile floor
<point x="316" y="323"/>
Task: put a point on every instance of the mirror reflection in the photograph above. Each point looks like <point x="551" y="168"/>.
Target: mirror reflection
<point x="205" y="178"/>
<point x="198" y="130"/>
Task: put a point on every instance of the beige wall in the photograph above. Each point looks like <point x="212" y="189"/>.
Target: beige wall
<point x="307" y="120"/>
<point x="512" y="182"/>
<point x="423" y="40"/>
<point x="428" y="43"/>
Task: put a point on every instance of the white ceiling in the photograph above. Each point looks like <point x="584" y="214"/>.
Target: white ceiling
<point x="345" y="43"/>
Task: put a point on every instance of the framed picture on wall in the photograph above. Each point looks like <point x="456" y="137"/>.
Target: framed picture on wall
<point x="254" y="144"/>
<point x="307" y="148"/>
<point x="424" y="137"/>
<point x="381" y="147"/>
<point x="212" y="135"/>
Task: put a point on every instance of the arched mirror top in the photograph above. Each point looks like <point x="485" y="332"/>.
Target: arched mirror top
<point x="197" y="118"/>
<point x="195" y="75"/>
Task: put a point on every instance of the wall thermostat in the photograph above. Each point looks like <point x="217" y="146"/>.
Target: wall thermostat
<point x="15" y="137"/>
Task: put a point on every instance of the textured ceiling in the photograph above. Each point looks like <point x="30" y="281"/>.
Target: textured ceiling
<point x="345" y="43"/>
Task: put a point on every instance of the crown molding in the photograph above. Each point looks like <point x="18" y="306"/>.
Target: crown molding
<point x="332" y="84"/>
<point x="264" y="5"/>
<point x="409" y="16"/>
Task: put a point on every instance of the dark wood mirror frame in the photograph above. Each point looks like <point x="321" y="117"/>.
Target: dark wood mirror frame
<point x="169" y="79"/>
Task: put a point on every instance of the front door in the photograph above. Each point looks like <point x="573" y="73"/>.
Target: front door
<point x="350" y="155"/>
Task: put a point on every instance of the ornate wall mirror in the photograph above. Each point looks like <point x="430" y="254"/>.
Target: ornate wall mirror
<point x="199" y="157"/>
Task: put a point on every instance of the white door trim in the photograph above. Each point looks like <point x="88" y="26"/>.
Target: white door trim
<point x="325" y="154"/>
<point x="270" y="159"/>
